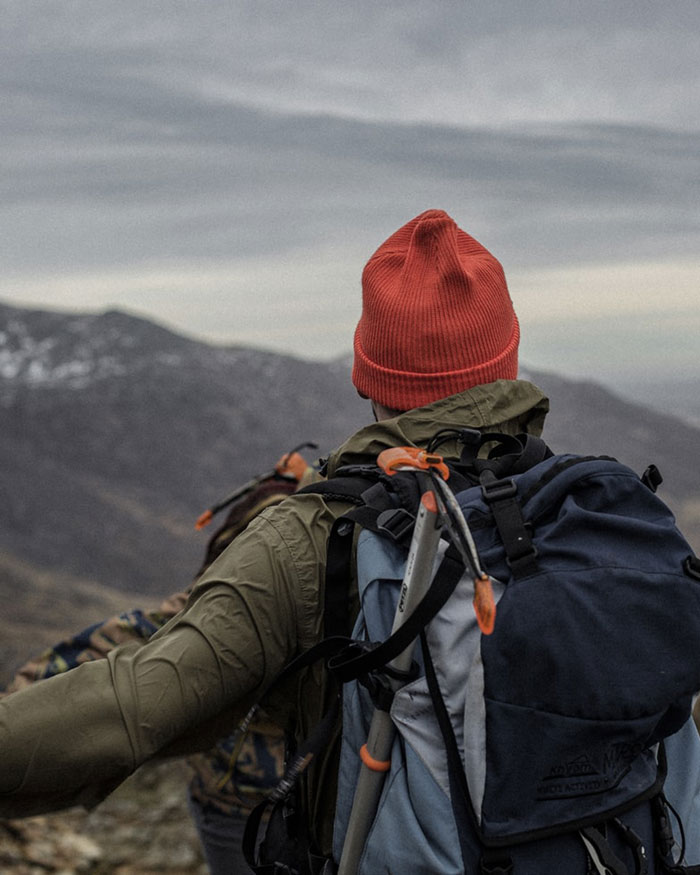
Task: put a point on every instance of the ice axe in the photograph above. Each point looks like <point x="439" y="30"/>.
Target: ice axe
<point x="437" y="509"/>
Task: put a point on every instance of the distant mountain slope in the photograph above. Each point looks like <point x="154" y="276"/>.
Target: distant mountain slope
<point x="115" y="433"/>
<point x="680" y="398"/>
<point x="587" y="418"/>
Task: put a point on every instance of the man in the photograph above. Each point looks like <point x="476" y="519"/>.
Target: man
<point x="436" y="347"/>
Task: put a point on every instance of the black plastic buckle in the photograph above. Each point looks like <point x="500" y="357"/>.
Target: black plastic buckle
<point x="652" y="478"/>
<point x="691" y="566"/>
<point x="522" y="547"/>
<point x="600" y="852"/>
<point x="498" y="490"/>
<point x="396" y="523"/>
<point x="380" y="690"/>
<point x="641" y="863"/>
<point x="382" y="684"/>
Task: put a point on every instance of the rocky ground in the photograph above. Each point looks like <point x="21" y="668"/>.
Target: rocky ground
<point x="143" y="828"/>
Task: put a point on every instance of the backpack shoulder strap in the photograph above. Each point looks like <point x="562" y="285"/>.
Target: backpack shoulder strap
<point x="384" y="505"/>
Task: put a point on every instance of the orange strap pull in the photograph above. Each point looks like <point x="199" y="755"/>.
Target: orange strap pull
<point x="371" y="763"/>
<point x="484" y="604"/>
<point x="204" y="520"/>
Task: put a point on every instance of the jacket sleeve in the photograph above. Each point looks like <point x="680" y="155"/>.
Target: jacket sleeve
<point x="72" y="738"/>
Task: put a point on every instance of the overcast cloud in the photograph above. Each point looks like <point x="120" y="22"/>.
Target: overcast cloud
<point x="206" y="163"/>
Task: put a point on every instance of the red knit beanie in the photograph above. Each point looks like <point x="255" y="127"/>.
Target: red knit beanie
<point x="436" y="316"/>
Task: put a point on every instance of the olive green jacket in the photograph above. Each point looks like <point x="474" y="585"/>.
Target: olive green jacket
<point x="71" y="739"/>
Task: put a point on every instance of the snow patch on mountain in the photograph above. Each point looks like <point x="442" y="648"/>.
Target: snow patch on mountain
<point x="45" y="350"/>
<point x="45" y="362"/>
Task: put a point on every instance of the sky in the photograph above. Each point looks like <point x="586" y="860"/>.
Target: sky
<point x="227" y="168"/>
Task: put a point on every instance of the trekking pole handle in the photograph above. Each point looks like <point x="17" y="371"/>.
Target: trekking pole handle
<point x="419" y="571"/>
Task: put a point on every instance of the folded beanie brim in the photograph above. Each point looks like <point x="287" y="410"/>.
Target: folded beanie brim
<point x="403" y="390"/>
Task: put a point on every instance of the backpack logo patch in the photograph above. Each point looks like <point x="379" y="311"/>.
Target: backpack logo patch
<point x="580" y="776"/>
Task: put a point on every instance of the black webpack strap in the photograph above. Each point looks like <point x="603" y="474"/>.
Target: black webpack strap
<point x="371" y="492"/>
<point x="459" y="791"/>
<point x="508" y="455"/>
<point x="352" y="489"/>
<point x="349" y="667"/>
<point x="502" y="498"/>
<point x="336" y="617"/>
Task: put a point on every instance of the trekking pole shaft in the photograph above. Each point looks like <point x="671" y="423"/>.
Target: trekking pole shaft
<point x="377" y="751"/>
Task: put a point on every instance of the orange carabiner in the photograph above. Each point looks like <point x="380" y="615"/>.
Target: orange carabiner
<point x="399" y="458"/>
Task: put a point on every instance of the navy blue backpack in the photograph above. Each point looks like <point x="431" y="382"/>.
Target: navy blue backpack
<point x="542" y="747"/>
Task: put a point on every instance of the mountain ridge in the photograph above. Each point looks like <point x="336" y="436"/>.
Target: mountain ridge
<point x="116" y="433"/>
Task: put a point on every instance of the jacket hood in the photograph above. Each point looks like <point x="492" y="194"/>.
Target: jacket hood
<point x="509" y="406"/>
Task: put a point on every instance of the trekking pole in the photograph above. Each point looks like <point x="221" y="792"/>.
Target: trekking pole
<point x="376" y="752"/>
<point x="291" y="465"/>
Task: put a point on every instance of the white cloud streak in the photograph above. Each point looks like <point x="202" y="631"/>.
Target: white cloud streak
<point x="207" y="163"/>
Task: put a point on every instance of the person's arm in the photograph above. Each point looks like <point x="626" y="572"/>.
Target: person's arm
<point x="72" y="738"/>
<point x="95" y="642"/>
